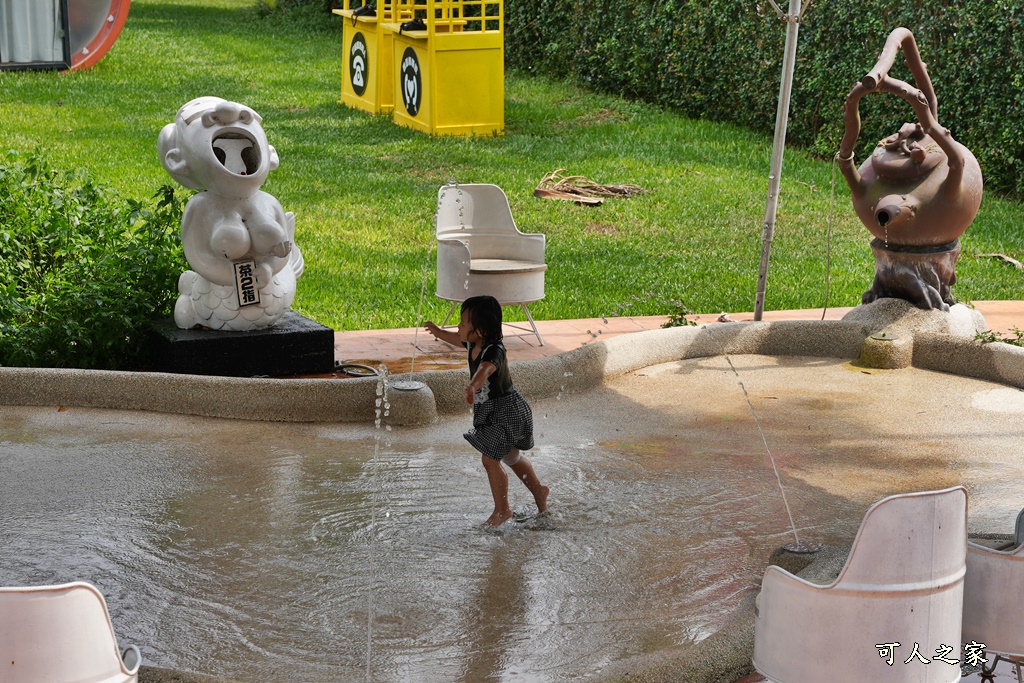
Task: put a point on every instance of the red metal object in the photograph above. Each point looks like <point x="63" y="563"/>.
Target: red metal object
<point x="91" y="39"/>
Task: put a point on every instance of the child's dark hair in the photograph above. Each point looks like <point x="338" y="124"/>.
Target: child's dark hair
<point x="484" y="316"/>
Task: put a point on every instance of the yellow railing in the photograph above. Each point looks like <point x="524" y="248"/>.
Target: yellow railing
<point x="448" y="16"/>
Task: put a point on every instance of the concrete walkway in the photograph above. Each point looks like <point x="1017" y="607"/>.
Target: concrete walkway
<point x="577" y="355"/>
<point x="411" y="349"/>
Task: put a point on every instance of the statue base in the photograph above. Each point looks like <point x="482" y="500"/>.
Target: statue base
<point x="295" y="346"/>
<point x="921" y="275"/>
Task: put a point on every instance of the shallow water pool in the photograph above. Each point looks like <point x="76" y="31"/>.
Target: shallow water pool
<point x="277" y="552"/>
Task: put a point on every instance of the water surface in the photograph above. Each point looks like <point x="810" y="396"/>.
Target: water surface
<point x="276" y="552"/>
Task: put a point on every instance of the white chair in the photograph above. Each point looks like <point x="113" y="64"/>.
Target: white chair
<point x="481" y="251"/>
<point x="61" y="634"/>
<point x="902" y="583"/>
<point x="994" y="600"/>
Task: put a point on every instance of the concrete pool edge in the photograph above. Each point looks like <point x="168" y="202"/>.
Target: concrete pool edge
<point x="353" y="400"/>
<point x="724" y="656"/>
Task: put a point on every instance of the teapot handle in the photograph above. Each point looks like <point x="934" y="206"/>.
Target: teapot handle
<point x="922" y="100"/>
<point x="902" y="38"/>
<point x="898" y="38"/>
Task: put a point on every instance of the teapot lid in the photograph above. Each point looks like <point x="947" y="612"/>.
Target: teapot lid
<point x="910" y="153"/>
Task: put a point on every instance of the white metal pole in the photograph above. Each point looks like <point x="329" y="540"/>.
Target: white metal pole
<point x="792" y="20"/>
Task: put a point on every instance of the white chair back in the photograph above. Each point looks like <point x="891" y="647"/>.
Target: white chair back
<point x="60" y="634"/>
<point x="902" y="583"/>
<point x="473" y="208"/>
<point x="994" y="599"/>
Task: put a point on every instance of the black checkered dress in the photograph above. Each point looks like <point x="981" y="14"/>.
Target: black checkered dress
<point x="502" y="423"/>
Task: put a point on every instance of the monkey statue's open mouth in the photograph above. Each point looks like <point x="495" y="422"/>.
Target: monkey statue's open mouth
<point x="237" y="152"/>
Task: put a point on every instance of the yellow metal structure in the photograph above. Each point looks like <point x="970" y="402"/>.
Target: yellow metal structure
<point x="367" y="70"/>
<point x="449" y="77"/>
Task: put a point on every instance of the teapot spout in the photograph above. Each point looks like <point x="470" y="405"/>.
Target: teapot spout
<point x="895" y="214"/>
<point x="891" y="214"/>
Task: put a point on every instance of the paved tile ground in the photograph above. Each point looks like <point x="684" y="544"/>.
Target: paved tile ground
<point x="411" y="349"/>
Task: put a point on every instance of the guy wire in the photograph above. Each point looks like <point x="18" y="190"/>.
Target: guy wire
<point x="764" y="440"/>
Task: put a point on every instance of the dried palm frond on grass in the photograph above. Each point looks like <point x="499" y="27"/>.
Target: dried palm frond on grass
<point x="580" y="189"/>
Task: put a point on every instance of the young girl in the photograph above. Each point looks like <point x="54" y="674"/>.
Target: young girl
<point x="502" y="420"/>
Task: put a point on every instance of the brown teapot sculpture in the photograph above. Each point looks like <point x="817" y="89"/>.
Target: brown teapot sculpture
<point x="917" y="193"/>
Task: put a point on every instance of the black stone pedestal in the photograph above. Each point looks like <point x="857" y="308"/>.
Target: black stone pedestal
<point x="295" y="346"/>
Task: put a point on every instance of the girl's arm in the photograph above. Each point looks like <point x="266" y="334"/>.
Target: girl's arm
<point x="444" y="335"/>
<point x="485" y="370"/>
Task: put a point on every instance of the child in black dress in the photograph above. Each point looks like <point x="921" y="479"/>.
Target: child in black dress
<point x="502" y="420"/>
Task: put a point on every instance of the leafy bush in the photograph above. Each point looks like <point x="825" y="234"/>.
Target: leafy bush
<point x="82" y="270"/>
<point x="990" y="337"/>
<point x="722" y="60"/>
<point x="266" y="7"/>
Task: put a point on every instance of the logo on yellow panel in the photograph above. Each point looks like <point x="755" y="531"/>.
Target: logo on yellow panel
<point x="412" y="82"/>
<point x="358" y="64"/>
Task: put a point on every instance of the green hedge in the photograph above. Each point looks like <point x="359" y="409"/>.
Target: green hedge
<point x="83" y="271"/>
<point x="722" y="60"/>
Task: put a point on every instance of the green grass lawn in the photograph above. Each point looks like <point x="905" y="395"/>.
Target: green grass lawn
<point x="364" y="190"/>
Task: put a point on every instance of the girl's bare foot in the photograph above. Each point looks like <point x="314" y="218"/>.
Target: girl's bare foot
<point x="497" y="519"/>
<point x="541" y="497"/>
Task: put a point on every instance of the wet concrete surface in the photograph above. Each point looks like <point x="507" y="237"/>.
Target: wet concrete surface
<point x="283" y="552"/>
<point x="1001" y="671"/>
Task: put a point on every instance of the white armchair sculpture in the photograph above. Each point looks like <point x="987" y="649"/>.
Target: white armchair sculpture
<point x="61" y="634"/>
<point x="900" y="593"/>
<point x="481" y="251"/>
<point x="994" y="600"/>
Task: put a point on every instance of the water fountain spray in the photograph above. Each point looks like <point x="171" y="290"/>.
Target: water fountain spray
<point x="382" y="409"/>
